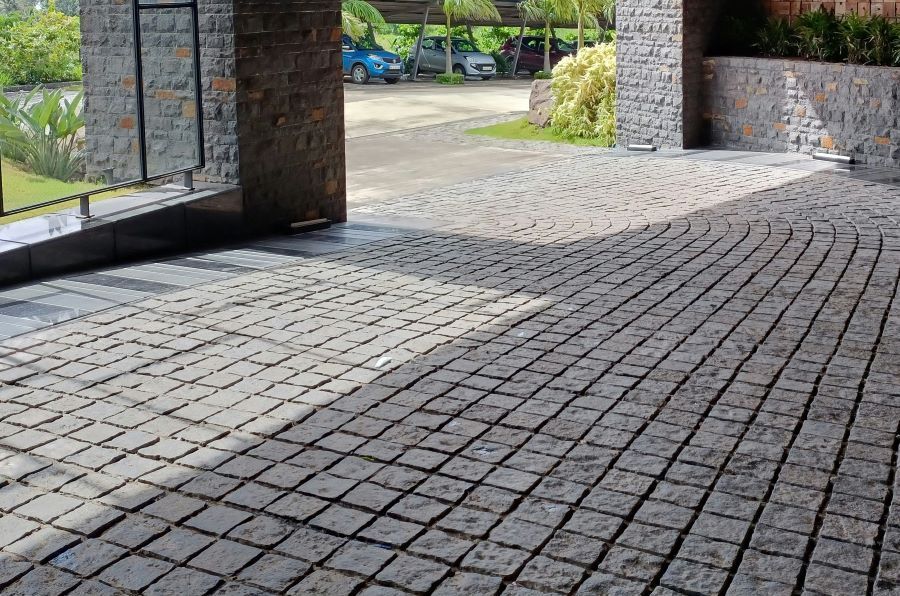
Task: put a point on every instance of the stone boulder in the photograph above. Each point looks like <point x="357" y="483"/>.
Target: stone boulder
<point x="541" y="103"/>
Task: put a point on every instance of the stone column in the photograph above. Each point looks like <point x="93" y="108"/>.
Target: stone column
<point x="660" y="51"/>
<point x="289" y="96"/>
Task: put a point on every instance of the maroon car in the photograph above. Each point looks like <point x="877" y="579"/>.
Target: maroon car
<point x="532" y="56"/>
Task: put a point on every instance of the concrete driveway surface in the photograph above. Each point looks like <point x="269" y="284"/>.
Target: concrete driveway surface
<point x="384" y="161"/>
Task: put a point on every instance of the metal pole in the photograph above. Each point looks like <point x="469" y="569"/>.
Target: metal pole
<point x="139" y="84"/>
<point x="84" y="206"/>
<point x="2" y="210"/>
<point x="515" y="66"/>
<point x="415" y="70"/>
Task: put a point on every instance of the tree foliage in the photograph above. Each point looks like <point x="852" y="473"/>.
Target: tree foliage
<point x="42" y="47"/>
<point x="356" y="15"/>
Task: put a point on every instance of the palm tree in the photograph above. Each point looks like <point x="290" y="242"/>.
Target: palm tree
<point x="356" y="15"/>
<point x="590" y="12"/>
<point x="550" y="12"/>
<point x="461" y="10"/>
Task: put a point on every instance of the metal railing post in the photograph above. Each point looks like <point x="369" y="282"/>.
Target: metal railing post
<point x="2" y="209"/>
<point x="84" y="206"/>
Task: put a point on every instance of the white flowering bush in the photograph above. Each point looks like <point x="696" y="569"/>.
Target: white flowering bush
<point x="584" y="91"/>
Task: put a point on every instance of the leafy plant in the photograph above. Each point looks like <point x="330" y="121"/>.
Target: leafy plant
<point x="817" y="35"/>
<point x="897" y="45"/>
<point x="776" y="38"/>
<point x="451" y="79"/>
<point x="855" y="38"/>
<point x="543" y="75"/>
<point x="41" y="130"/>
<point x="882" y="38"/>
<point x="493" y="38"/>
<point x="405" y="37"/>
<point x="460" y="10"/>
<point x="584" y="88"/>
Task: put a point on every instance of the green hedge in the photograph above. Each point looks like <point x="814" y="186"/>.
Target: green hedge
<point x="43" y="47"/>
<point x="451" y="79"/>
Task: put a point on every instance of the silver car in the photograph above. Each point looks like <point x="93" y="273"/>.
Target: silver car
<point x="467" y="59"/>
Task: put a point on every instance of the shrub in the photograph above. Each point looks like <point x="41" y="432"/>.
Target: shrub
<point x="584" y="88"/>
<point x="42" y="48"/>
<point x="543" y="75"/>
<point x="776" y="38"/>
<point x="451" y="79"/>
<point x="817" y="35"/>
<point x="41" y="131"/>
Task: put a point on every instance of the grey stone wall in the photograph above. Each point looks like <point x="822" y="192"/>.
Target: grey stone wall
<point x="789" y="105"/>
<point x="659" y="63"/>
<point x="649" y="93"/>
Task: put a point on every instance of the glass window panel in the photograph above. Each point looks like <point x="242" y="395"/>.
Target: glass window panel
<point x="170" y="93"/>
<point x="96" y="143"/>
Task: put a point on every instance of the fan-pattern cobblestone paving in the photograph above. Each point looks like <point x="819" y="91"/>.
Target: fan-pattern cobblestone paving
<point x="602" y="376"/>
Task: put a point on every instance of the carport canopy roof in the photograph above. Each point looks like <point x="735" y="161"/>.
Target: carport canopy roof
<point x="412" y="12"/>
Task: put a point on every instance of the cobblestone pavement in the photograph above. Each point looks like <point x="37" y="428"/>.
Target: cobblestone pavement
<point x="602" y="376"/>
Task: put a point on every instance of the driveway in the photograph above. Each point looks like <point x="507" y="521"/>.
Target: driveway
<point x="384" y="161"/>
<point x="605" y="374"/>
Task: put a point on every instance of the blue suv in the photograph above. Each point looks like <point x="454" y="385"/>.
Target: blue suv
<point x="362" y="64"/>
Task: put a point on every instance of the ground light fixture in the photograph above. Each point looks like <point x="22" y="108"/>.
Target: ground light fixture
<point x="841" y="159"/>
<point x="641" y="148"/>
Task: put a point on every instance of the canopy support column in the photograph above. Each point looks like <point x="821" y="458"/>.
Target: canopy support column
<point x="515" y="64"/>
<point x="415" y="71"/>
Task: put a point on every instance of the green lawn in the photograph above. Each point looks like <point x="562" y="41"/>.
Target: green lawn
<point x="521" y="130"/>
<point x="21" y="188"/>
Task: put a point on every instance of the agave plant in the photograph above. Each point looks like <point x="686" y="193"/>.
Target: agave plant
<point x="41" y="131"/>
<point x="817" y="35"/>
<point x="776" y="38"/>
<point x="855" y="37"/>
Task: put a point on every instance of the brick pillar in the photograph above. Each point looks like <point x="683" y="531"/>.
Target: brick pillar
<point x="660" y="51"/>
<point x="289" y="97"/>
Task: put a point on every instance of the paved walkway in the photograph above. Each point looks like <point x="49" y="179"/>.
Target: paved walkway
<point x="605" y="375"/>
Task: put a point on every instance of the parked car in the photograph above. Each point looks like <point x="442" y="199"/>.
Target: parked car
<point x="363" y="63"/>
<point x="532" y="56"/>
<point x="467" y="59"/>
